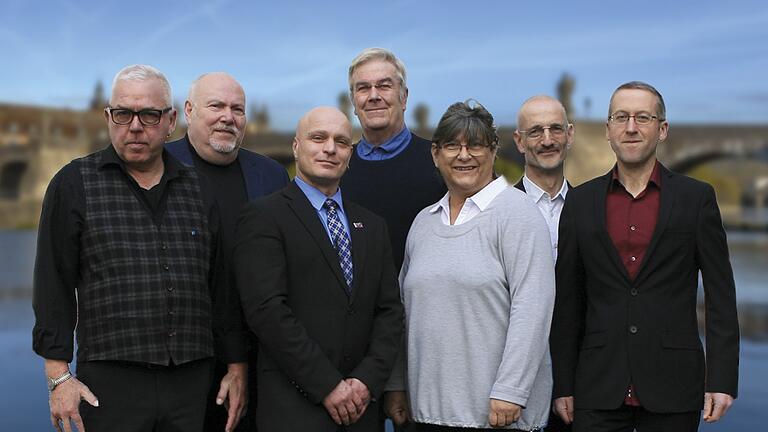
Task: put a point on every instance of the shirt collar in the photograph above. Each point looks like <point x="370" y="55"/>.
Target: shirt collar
<point x="482" y="199"/>
<point x="654" y="179"/>
<point x="536" y="193"/>
<point x="317" y="198"/>
<point x="171" y="166"/>
<point x="392" y="145"/>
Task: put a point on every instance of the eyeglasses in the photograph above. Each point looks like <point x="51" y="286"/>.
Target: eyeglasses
<point x="555" y="130"/>
<point x="147" y="117"/>
<point x="474" y="149"/>
<point x="640" y="118"/>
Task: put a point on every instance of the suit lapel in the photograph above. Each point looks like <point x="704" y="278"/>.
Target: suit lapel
<point x="600" y="200"/>
<point x="666" y="203"/>
<point x="359" y="237"/>
<point x="307" y="214"/>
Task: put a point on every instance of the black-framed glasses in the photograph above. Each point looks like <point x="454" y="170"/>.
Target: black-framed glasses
<point x="640" y="118"/>
<point x="555" y="130"/>
<point x="474" y="149"/>
<point x="147" y="116"/>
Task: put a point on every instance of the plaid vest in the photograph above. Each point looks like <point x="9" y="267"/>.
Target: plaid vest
<point x="143" y="292"/>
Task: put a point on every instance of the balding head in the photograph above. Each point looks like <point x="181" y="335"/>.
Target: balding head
<point x="544" y="136"/>
<point x="215" y="113"/>
<point x="322" y="148"/>
<point x="537" y="104"/>
<point x="213" y="79"/>
<point x="322" y="115"/>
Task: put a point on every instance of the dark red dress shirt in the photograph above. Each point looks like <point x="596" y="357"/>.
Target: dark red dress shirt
<point x="630" y="222"/>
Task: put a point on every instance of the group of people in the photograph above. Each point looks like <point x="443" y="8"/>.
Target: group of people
<point x="208" y="291"/>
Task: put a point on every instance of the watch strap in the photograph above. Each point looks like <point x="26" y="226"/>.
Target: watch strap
<point x="54" y="382"/>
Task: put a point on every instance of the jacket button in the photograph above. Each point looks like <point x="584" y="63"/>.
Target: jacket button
<point x="633" y="291"/>
<point x="633" y="329"/>
<point x="170" y="288"/>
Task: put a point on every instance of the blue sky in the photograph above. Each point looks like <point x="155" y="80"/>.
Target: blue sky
<point x="708" y="58"/>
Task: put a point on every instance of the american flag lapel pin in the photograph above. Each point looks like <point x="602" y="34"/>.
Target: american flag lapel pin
<point x="357" y="225"/>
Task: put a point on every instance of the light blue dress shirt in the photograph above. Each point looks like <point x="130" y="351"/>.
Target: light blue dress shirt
<point x="317" y="199"/>
<point x="387" y="150"/>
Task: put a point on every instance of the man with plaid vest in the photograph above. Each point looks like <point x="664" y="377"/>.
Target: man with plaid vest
<point x="128" y="249"/>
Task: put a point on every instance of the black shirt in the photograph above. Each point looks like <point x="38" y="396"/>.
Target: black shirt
<point x="228" y="183"/>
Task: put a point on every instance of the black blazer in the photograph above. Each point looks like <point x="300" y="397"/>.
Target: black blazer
<point x="608" y="329"/>
<point x="262" y="175"/>
<point x="311" y="333"/>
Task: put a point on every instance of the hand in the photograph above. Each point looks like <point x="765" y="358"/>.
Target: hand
<point x="64" y="402"/>
<point x="563" y="407"/>
<point x="715" y="406"/>
<point x="339" y="404"/>
<point x="503" y="413"/>
<point x="233" y="394"/>
<point x="396" y="407"/>
<point x="360" y="397"/>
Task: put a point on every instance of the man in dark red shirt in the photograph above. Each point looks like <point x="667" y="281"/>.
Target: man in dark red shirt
<point x="625" y="348"/>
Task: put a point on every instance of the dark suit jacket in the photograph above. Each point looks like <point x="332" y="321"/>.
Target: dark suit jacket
<point x="262" y="175"/>
<point x="608" y="329"/>
<point x="311" y="334"/>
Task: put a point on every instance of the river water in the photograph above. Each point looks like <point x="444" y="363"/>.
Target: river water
<point x="24" y="399"/>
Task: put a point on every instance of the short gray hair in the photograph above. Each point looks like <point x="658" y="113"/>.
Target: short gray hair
<point x="661" y="109"/>
<point x="140" y="72"/>
<point x="369" y="54"/>
<point x="468" y="119"/>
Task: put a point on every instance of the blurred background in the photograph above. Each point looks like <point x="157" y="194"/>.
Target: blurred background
<point x="708" y="59"/>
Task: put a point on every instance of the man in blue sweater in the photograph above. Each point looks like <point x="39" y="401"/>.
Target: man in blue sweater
<point x="391" y="171"/>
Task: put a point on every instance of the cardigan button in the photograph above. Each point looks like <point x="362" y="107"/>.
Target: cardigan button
<point x="633" y="329"/>
<point x="633" y="292"/>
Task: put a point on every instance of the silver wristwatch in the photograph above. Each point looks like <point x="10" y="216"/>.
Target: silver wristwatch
<point x="53" y="382"/>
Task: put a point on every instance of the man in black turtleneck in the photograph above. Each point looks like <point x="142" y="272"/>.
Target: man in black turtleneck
<point x="215" y="114"/>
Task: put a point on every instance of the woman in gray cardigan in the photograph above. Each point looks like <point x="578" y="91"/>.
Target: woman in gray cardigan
<point x="478" y="288"/>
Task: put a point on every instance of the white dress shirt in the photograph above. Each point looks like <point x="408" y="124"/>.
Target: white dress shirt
<point x="550" y="207"/>
<point x="472" y="205"/>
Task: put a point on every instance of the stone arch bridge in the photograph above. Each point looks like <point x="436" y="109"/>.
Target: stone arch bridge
<point x="35" y="142"/>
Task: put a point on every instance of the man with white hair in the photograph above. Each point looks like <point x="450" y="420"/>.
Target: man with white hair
<point x="391" y="171"/>
<point x="128" y="250"/>
<point x="216" y="120"/>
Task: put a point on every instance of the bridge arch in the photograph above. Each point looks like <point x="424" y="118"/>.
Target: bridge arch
<point x="11" y="176"/>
